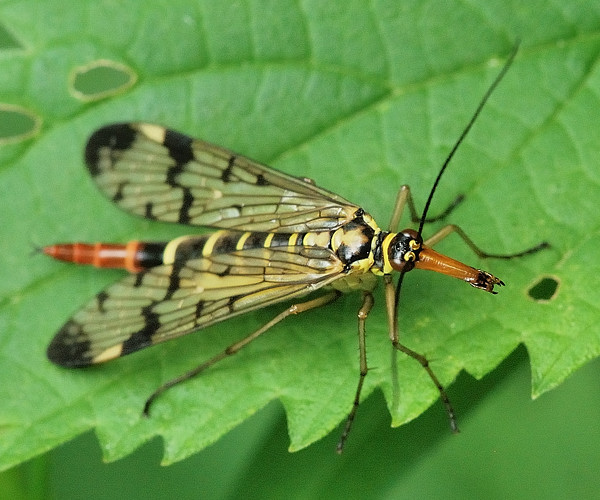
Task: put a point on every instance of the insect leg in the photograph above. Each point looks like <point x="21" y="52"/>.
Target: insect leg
<point x="363" y="312"/>
<point x="404" y="196"/>
<point x="451" y="228"/>
<point x="390" y="302"/>
<point x="234" y="348"/>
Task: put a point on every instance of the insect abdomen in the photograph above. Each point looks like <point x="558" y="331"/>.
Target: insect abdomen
<point x="134" y="256"/>
<point x="228" y="242"/>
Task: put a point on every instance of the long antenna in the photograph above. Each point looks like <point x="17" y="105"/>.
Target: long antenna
<point x="464" y="133"/>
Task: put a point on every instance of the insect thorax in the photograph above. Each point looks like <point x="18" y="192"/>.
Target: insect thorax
<point x="353" y="243"/>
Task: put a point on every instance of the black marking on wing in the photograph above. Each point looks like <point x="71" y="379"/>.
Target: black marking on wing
<point x="101" y="297"/>
<point x="174" y="281"/>
<point x="118" y="196"/>
<point x="116" y="138"/>
<point x="261" y="181"/>
<point x="225" y="176"/>
<point x="186" y="205"/>
<point x="224" y="272"/>
<point x="148" y="211"/>
<point x="231" y="303"/>
<point x="142" y="338"/>
<point x="70" y="347"/>
<point x="179" y="147"/>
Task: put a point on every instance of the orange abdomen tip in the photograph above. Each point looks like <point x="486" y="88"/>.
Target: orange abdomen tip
<point x="108" y="255"/>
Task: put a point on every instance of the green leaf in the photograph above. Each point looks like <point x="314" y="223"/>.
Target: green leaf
<point x="360" y="98"/>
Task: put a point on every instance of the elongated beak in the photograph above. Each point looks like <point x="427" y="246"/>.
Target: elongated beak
<point x="431" y="260"/>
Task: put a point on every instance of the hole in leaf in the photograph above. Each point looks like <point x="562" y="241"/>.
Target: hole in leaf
<point x="100" y="79"/>
<point x="7" y="41"/>
<point x="17" y="124"/>
<point x="544" y="289"/>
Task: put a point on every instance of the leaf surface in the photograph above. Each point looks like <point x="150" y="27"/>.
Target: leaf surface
<point x="360" y="99"/>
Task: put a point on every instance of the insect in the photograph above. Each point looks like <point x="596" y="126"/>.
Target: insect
<point x="280" y="238"/>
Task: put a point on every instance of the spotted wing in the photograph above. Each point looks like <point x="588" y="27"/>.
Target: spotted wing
<point x="160" y="174"/>
<point x="168" y="301"/>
